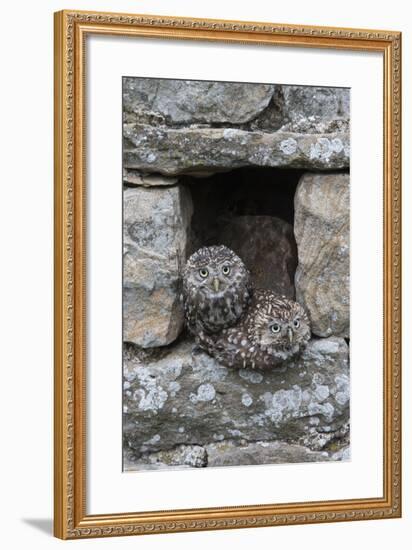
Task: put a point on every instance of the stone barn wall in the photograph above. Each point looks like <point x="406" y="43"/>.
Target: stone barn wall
<point x="263" y="169"/>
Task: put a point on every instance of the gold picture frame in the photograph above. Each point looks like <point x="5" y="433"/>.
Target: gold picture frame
<point x="70" y="518"/>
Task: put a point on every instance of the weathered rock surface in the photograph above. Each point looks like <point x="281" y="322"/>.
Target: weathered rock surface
<point x="267" y="246"/>
<point x="313" y="109"/>
<point x="187" y="398"/>
<point x="155" y="237"/>
<point x="243" y="105"/>
<point x="322" y="236"/>
<point x="173" y="151"/>
<point x="133" y="178"/>
<point x="182" y="456"/>
<point x="186" y="101"/>
<point x="230" y="453"/>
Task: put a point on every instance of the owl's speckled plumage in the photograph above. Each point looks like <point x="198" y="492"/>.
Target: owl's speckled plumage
<point x="216" y="290"/>
<point x="272" y="330"/>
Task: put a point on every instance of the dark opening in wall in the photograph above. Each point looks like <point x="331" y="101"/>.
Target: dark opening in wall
<point x="245" y="191"/>
<point x="250" y="210"/>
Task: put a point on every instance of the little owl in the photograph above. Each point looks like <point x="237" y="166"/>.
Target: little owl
<point x="272" y="330"/>
<point x="216" y="291"/>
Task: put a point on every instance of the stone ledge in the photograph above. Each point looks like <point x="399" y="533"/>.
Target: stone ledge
<point x="187" y="398"/>
<point x="232" y="453"/>
<point x="194" y="150"/>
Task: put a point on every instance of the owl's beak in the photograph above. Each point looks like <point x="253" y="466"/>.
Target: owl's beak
<point x="216" y="284"/>
<point x="290" y="335"/>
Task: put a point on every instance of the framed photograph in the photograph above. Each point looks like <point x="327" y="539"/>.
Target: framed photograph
<point x="227" y="274"/>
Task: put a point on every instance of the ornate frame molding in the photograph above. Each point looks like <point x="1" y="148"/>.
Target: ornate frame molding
<point x="71" y="520"/>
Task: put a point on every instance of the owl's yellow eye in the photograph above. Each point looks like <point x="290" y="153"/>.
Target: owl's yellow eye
<point x="226" y="270"/>
<point x="203" y="273"/>
<point x="296" y="323"/>
<point x="275" y="328"/>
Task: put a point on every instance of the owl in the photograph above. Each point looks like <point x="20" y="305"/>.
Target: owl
<point x="272" y="330"/>
<point x="216" y="291"/>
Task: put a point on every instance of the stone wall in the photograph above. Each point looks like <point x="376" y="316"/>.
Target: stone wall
<point x="264" y="170"/>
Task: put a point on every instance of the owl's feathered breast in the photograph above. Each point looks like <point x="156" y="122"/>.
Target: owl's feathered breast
<point x="213" y="314"/>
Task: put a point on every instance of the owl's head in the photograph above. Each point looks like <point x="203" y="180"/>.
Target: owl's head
<point x="214" y="271"/>
<point x="280" y="325"/>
